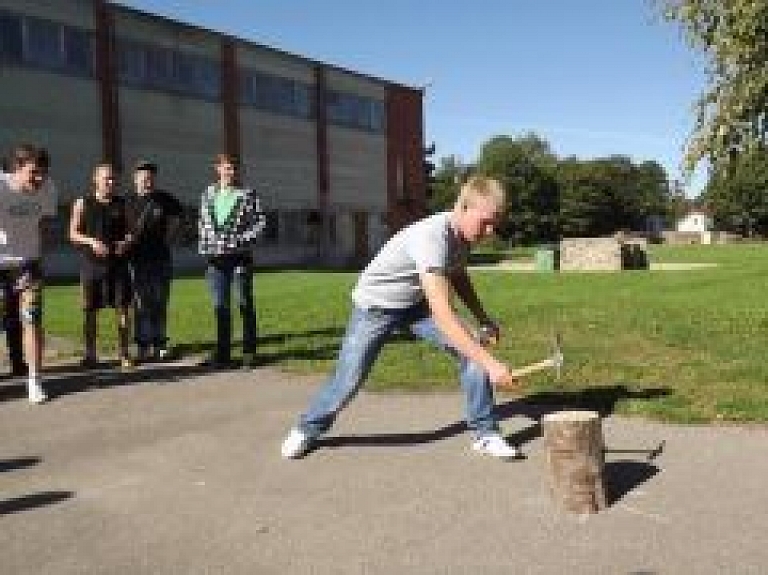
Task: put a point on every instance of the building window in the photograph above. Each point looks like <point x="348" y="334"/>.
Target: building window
<point x="353" y="111"/>
<point x="11" y="37"/>
<point x="159" y="67"/>
<point x="276" y="94"/>
<point x="78" y="51"/>
<point x="155" y="67"/>
<point x="378" y="116"/>
<point x="197" y="75"/>
<point x="44" y="44"/>
<point x="130" y="63"/>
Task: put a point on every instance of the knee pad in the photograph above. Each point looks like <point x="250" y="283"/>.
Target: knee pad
<point x="31" y="315"/>
<point x="31" y="306"/>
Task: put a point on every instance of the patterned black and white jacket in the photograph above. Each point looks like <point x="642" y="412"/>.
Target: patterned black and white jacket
<point x="237" y="234"/>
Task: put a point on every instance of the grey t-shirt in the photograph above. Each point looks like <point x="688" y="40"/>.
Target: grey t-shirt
<point x="391" y="280"/>
<point x="20" y="217"/>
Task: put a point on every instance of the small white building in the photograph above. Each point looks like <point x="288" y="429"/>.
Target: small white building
<point x="696" y="221"/>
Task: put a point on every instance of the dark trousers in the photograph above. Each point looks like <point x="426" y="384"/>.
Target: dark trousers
<point x="222" y="273"/>
<point x="31" y="271"/>
<point x="12" y="321"/>
<point x="152" y="289"/>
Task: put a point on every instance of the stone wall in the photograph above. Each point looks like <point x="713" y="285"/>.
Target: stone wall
<point x="603" y="254"/>
<point x="580" y="254"/>
<point x="681" y="238"/>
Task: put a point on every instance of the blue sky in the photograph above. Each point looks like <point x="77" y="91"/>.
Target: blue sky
<point x="593" y="77"/>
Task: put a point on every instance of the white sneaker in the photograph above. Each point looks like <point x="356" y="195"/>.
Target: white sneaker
<point x="296" y="445"/>
<point x="35" y="392"/>
<point x="495" y="445"/>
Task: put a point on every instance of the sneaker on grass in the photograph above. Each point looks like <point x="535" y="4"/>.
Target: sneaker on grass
<point x="296" y="445"/>
<point x="495" y="445"/>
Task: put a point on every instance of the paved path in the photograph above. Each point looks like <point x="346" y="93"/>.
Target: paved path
<point x="529" y="266"/>
<point x="182" y="476"/>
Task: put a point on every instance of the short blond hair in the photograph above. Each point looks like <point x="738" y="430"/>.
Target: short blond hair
<point x="480" y="187"/>
<point x="98" y="168"/>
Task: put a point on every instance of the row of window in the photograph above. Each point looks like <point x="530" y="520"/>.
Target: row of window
<point x="355" y="111"/>
<point x="43" y="44"/>
<point x="276" y="94"/>
<point x="38" y="43"/>
<point x="146" y="66"/>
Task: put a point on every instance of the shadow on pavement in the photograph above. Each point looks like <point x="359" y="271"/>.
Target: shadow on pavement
<point x="18" y="463"/>
<point x="66" y="379"/>
<point x="621" y="477"/>
<point x="328" y="352"/>
<point x="534" y="406"/>
<point x="27" y="502"/>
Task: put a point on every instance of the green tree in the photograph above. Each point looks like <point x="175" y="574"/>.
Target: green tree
<point x="444" y="188"/>
<point x="737" y="195"/>
<point x="602" y="196"/>
<point x="526" y="167"/>
<point x="732" y="113"/>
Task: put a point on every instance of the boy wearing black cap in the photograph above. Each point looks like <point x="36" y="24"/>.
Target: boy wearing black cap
<point x="156" y="215"/>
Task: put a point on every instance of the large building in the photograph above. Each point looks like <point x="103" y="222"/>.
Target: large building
<point x="335" y="155"/>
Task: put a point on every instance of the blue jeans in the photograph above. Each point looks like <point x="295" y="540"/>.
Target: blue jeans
<point x="152" y="290"/>
<point x="222" y="273"/>
<point x="366" y="333"/>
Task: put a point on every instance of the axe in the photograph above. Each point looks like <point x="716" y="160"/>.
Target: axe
<point x="554" y="361"/>
<point x="650" y="454"/>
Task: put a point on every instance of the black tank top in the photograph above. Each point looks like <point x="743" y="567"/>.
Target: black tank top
<point x="106" y="222"/>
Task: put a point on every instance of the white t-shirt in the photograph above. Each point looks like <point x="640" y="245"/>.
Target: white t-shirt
<point x="20" y="217"/>
<point x="391" y="280"/>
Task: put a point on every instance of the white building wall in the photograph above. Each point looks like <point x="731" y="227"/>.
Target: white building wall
<point x="58" y="111"/>
<point x="61" y="113"/>
<point x="182" y="135"/>
<point x="358" y="159"/>
<point x="695" y="222"/>
<point x="148" y="29"/>
<point x="279" y="158"/>
<point x="263" y="59"/>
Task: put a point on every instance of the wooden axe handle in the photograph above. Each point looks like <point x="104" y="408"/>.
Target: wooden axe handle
<point x="532" y="368"/>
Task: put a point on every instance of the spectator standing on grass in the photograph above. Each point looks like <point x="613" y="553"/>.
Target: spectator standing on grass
<point x="155" y="216"/>
<point x="409" y="284"/>
<point x="99" y="227"/>
<point x="27" y="199"/>
<point x="230" y="221"/>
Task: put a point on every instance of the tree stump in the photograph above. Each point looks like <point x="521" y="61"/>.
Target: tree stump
<point x="575" y="458"/>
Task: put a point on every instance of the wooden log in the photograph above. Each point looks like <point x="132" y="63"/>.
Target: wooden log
<point x="575" y="458"/>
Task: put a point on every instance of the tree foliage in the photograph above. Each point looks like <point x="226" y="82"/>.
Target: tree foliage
<point x="525" y="166"/>
<point x="732" y="113"/>
<point x="548" y="198"/>
<point x="444" y="188"/>
<point x="604" y="195"/>
<point x="737" y="195"/>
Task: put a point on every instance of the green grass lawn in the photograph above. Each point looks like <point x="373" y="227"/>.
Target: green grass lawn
<point x="679" y="345"/>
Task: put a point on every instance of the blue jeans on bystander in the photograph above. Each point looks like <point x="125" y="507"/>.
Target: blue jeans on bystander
<point x="222" y="273"/>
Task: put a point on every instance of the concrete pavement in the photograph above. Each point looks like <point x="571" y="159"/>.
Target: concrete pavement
<point x="175" y="470"/>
